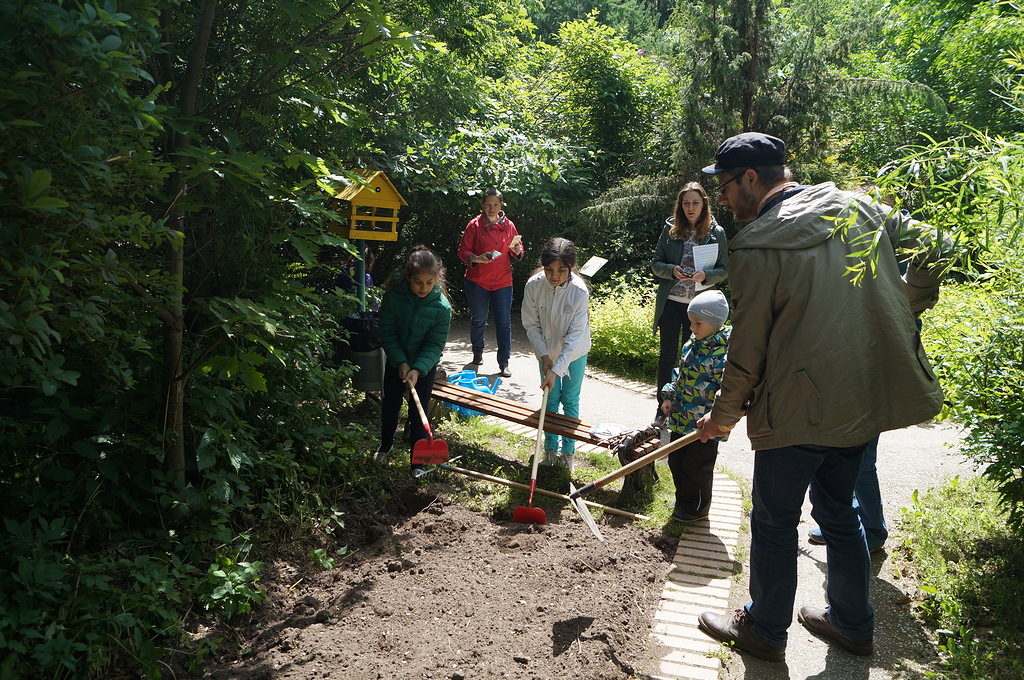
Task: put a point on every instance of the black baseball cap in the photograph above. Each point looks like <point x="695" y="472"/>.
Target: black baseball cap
<point x="748" y="150"/>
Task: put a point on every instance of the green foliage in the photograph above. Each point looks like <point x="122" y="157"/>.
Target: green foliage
<point x="962" y="50"/>
<point x="974" y="63"/>
<point x="634" y="19"/>
<point x="966" y="558"/>
<point x="621" y="320"/>
<point x="229" y="588"/>
<point x="61" y="613"/>
<point x="973" y="185"/>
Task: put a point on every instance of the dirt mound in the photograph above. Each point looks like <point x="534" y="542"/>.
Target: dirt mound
<point x="452" y="593"/>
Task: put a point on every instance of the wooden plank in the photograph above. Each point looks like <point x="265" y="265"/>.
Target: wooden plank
<point x="513" y="411"/>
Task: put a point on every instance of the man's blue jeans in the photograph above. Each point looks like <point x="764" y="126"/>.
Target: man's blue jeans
<point x="781" y="479"/>
<point x="867" y="499"/>
<point x="500" y="304"/>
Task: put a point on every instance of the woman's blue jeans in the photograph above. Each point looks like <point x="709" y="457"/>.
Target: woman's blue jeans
<point x="567" y="393"/>
<point x="781" y="479"/>
<point x="500" y="304"/>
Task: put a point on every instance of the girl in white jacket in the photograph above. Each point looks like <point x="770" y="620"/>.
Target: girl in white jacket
<point x="557" y="322"/>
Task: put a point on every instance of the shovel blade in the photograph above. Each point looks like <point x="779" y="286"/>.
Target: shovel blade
<point x="585" y="515"/>
<point x="529" y="515"/>
<point x="430" y="451"/>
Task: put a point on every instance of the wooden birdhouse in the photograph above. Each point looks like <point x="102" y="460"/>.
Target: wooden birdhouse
<point x="371" y="208"/>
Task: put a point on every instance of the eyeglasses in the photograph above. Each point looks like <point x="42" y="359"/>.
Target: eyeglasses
<point x="726" y="183"/>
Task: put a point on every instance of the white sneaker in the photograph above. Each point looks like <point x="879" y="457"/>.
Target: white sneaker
<point x="550" y="458"/>
<point x="380" y="456"/>
<point x="565" y="460"/>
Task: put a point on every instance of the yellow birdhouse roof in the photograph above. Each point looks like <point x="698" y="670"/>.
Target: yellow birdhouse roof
<point x="380" y="188"/>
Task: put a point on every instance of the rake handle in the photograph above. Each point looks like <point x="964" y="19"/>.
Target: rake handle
<point x="654" y="455"/>
<point x="536" y="446"/>
<point x="544" y="492"/>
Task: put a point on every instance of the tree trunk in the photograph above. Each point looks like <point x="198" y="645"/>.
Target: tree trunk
<point x="174" y="318"/>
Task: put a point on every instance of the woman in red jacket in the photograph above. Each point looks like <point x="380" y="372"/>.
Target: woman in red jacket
<point x="488" y="246"/>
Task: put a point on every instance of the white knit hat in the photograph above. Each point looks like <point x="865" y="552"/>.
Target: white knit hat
<point x="709" y="306"/>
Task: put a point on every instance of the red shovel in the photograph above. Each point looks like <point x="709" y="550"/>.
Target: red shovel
<point x="430" y="450"/>
<point x="530" y="514"/>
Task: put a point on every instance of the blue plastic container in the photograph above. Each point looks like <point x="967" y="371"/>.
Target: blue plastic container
<point x="472" y="381"/>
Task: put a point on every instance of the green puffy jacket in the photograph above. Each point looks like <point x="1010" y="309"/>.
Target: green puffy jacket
<point x="414" y="330"/>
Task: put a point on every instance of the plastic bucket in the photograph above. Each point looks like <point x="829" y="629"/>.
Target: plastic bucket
<point x="369" y="375"/>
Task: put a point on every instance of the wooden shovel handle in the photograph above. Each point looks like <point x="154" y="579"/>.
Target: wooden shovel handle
<point x="540" y="434"/>
<point x="419" y="407"/>
<point x="637" y="464"/>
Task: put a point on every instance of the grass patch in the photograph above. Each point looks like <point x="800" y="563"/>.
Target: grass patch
<point x="487" y="447"/>
<point x="970" y="566"/>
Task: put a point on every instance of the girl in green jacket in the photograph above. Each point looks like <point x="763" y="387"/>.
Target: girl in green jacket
<point x="415" y="316"/>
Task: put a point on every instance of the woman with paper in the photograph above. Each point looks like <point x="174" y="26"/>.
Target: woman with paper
<point x="691" y="256"/>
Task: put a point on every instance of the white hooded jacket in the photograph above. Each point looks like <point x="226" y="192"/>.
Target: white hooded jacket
<point x="557" y="319"/>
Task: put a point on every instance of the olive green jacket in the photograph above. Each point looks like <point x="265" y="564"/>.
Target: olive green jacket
<point x="669" y="253"/>
<point x="821" y="360"/>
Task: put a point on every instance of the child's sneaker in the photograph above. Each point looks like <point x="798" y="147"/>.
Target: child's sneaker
<point x="380" y="456"/>
<point x="550" y="457"/>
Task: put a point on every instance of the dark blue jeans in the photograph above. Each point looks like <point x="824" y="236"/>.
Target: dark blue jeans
<point x="867" y="499"/>
<point x="781" y="479"/>
<point x="500" y="304"/>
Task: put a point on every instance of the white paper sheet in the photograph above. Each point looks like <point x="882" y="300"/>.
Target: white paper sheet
<point x="593" y="264"/>
<point x="704" y="258"/>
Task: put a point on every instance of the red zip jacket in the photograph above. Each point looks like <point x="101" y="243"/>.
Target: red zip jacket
<point x="482" y="236"/>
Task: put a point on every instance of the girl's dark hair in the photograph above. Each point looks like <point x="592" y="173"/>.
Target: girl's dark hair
<point x="423" y="260"/>
<point x="681" y="227"/>
<point x="561" y="250"/>
<point x="492" y="192"/>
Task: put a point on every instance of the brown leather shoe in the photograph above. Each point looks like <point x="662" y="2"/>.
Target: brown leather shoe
<point x="817" y="621"/>
<point x="735" y="629"/>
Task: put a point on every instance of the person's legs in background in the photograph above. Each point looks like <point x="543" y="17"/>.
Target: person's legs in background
<point x="867" y="499"/>
<point x="673" y="326"/>
<point x="501" y="310"/>
<point x="478" y="298"/>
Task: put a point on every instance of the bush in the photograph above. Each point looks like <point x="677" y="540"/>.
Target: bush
<point x="967" y="558"/>
<point x="623" y="341"/>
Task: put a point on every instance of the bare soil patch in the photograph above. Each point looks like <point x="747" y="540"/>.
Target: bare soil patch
<point x="441" y="591"/>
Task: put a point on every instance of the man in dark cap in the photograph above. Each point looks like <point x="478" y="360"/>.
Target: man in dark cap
<point x="820" y="366"/>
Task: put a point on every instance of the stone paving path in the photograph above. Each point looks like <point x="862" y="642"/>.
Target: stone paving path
<point x="700" y="580"/>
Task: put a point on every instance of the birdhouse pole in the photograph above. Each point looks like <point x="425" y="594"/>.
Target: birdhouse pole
<point x="361" y="273"/>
